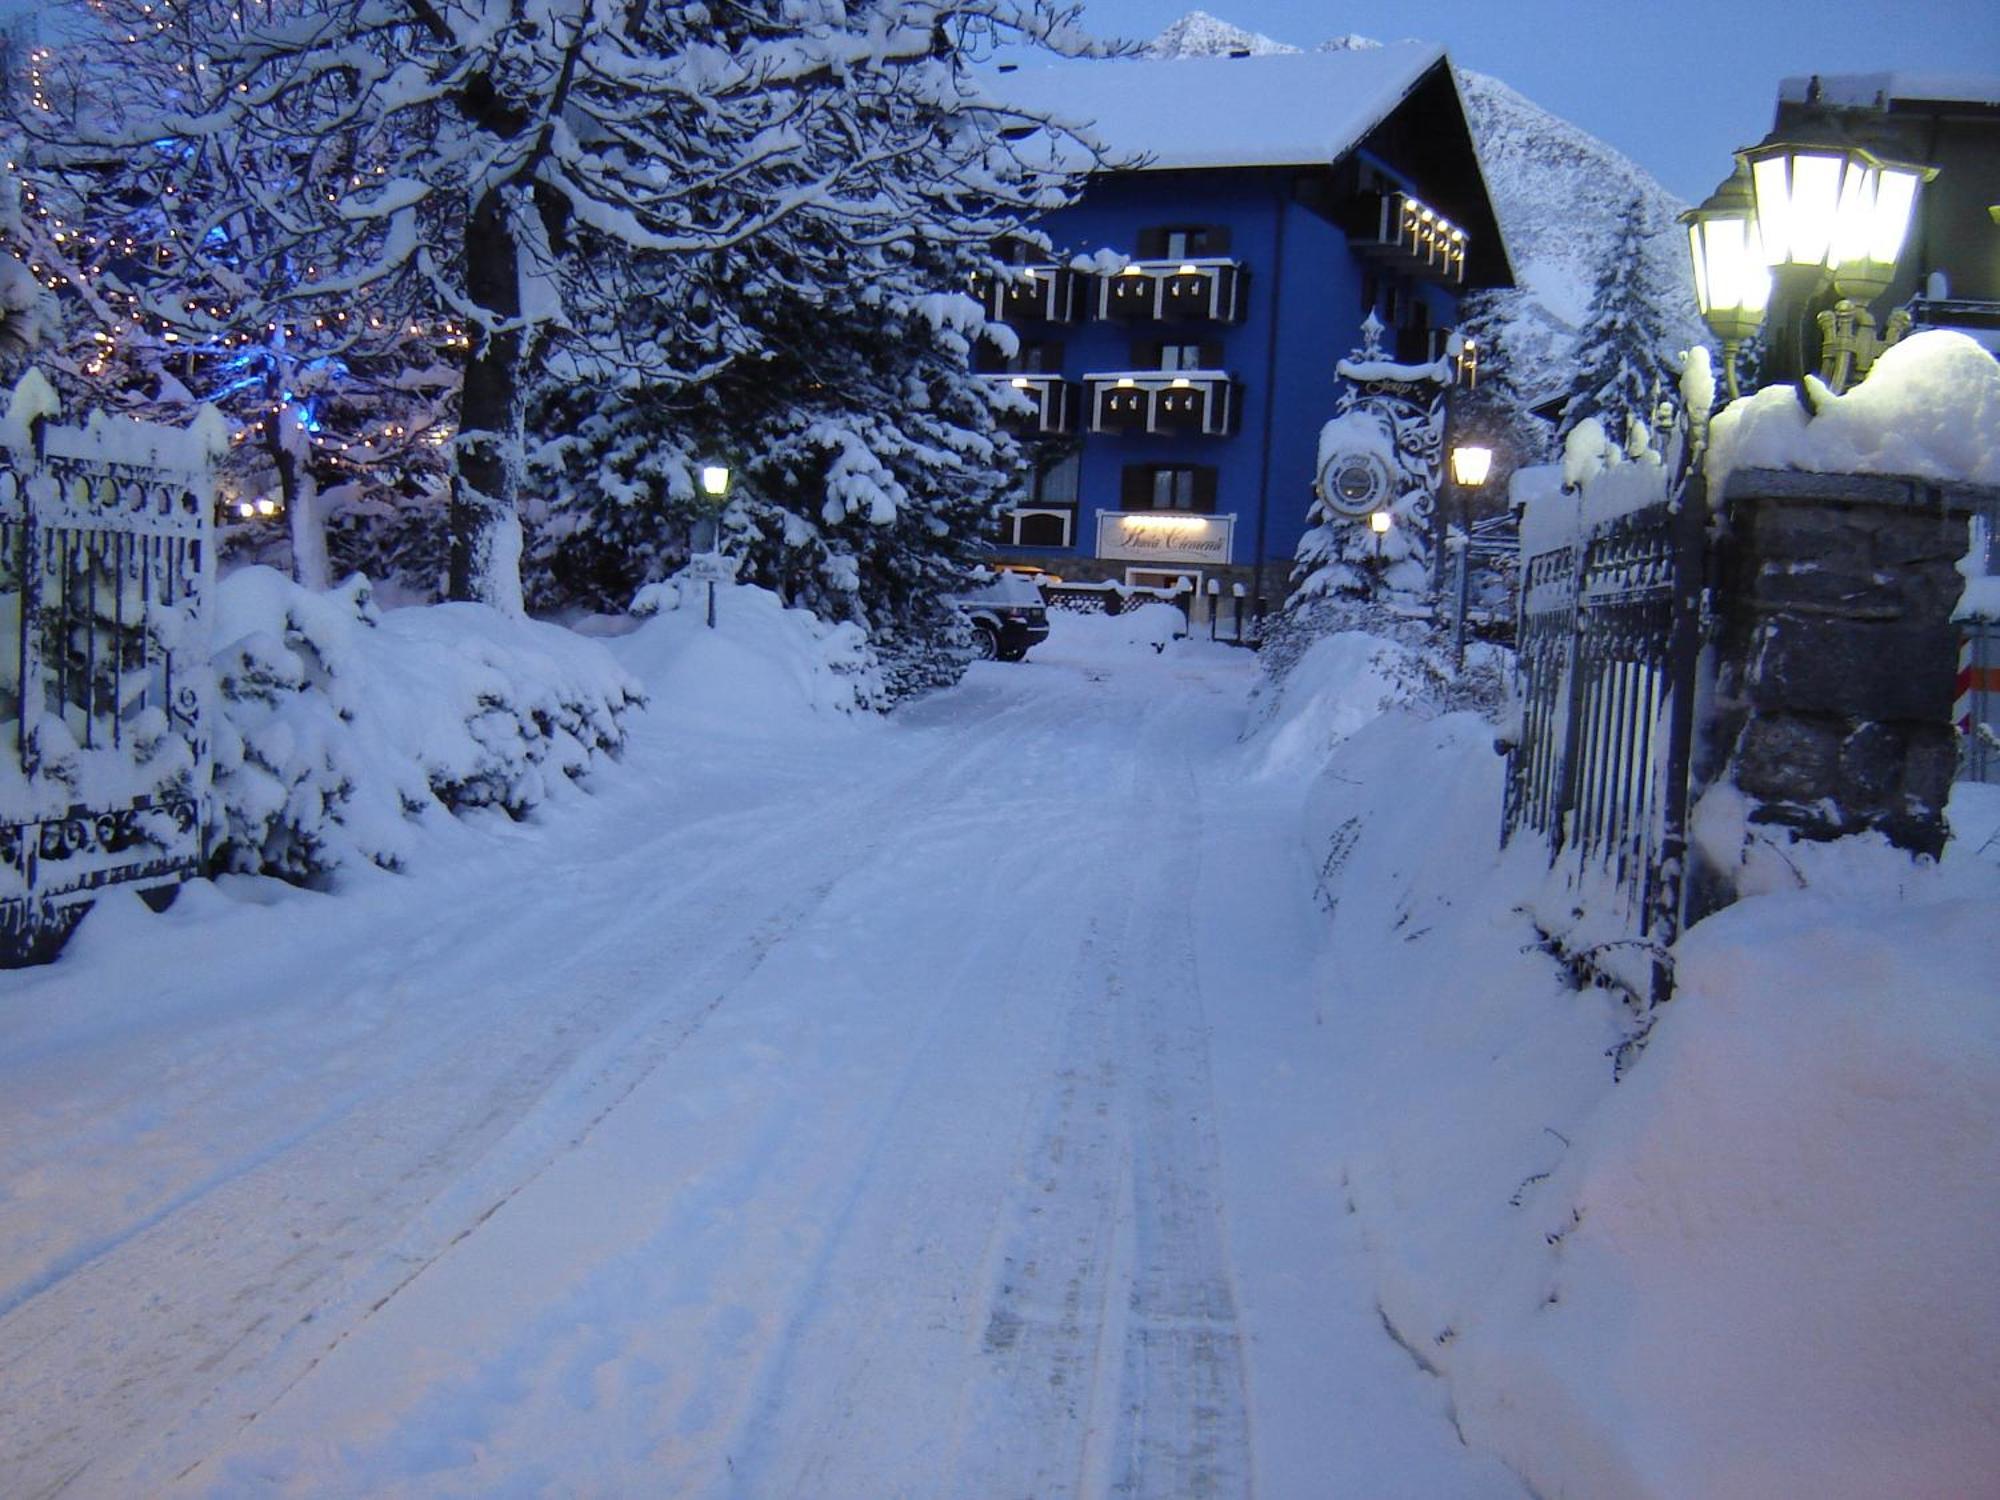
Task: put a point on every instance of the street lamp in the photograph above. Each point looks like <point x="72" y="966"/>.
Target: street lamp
<point x="1470" y="466"/>
<point x="1830" y="213"/>
<point x="1732" y="282"/>
<point x="706" y="564"/>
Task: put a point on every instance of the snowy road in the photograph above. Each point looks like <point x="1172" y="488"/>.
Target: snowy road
<point x="929" y="1109"/>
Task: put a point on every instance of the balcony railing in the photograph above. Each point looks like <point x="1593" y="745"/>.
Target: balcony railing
<point x="1031" y="294"/>
<point x="1162" y="401"/>
<point x="1173" y="291"/>
<point x="1053" y="399"/>
<point x="1413" y="238"/>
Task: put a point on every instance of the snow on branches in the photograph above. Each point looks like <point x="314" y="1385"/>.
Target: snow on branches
<point x="524" y="177"/>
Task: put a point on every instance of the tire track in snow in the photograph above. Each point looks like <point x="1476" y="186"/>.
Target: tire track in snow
<point x="939" y="784"/>
<point x="1113" y="1361"/>
<point x="94" y="1355"/>
<point x="857" y="1343"/>
<point x="1184" y="1431"/>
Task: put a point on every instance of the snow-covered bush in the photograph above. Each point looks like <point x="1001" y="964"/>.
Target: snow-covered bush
<point x="761" y="659"/>
<point x="341" y="729"/>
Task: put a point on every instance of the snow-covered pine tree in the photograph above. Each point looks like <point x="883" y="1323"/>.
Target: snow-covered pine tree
<point x="832" y="369"/>
<point x="521" y="164"/>
<point x="1624" y="356"/>
<point x="871" y="462"/>
<point x="1493" y="410"/>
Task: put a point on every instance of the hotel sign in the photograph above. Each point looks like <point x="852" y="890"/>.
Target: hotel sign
<point x="1164" y="536"/>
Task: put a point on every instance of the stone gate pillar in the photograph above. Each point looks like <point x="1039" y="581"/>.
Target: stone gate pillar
<point x="1836" y="653"/>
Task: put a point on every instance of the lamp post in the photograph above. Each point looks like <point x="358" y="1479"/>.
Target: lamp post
<point x="1830" y="215"/>
<point x="1379" y="522"/>
<point x="1732" y="282"/>
<point x="1470" y="466"/>
<point x="705" y="560"/>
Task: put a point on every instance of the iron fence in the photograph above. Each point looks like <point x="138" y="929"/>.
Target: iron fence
<point x="1607" y="648"/>
<point x="106" y="561"/>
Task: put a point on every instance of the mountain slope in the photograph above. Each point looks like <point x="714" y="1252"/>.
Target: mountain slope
<point x="1558" y="191"/>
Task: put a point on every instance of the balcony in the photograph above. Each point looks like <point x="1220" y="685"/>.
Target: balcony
<point x="1169" y="291"/>
<point x="1031" y="294"/>
<point x="1405" y="235"/>
<point x="1052" y="397"/>
<point x="1161" y="401"/>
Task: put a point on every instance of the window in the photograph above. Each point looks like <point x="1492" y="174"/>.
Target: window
<point x="1036" y="359"/>
<point x="1055" y="481"/>
<point x="1150" y="355"/>
<point x="1173" y="489"/>
<point x="1187" y="487"/>
<point x="1040" y="528"/>
<point x="1029" y="358"/>
<point x="1183" y="242"/>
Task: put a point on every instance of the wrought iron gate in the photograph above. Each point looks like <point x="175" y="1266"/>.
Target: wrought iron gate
<point x="1608" y="646"/>
<point x="106" y="563"/>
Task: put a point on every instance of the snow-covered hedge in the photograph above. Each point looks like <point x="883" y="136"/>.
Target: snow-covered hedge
<point x="341" y="728"/>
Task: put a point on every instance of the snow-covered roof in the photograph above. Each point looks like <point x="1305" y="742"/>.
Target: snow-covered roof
<point x="1863" y="90"/>
<point x="1294" y="109"/>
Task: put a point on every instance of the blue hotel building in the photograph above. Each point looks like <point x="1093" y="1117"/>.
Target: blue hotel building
<point x="1178" y="347"/>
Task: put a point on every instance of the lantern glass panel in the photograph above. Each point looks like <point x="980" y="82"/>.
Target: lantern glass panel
<point x="1798" y="205"/>
<point x="1730" y="272"/>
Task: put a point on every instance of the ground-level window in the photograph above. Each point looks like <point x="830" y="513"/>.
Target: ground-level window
<point x="1040" y="528"/>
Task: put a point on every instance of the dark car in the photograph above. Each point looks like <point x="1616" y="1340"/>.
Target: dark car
<point x="1007" y="617"/>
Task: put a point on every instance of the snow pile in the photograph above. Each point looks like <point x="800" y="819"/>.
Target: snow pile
<point x="1930" y="407"/>
<point x="762" y="664"/>
<point x="341" y="728"/>
<point x="1088" y="637"/>
<point x="1768" y="1268"/>
<point x="1339" y="684"/>
<point x="1762" y="1264"/>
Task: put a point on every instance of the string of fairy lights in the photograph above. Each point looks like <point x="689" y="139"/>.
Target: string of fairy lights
<point x="78" y="262"/>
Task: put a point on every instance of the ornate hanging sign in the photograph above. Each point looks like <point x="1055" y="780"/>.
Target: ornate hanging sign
<point x="1384" y="452"/>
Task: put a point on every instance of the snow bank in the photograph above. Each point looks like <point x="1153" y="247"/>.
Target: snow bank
<point x="341" y="729"/>
<point x="1769" y="1267"/>
<point x="1340" y="684"/>
<point x="1930" y="407"/>
<point x="762" y="665"/>
<point x="1762" y="1264"/>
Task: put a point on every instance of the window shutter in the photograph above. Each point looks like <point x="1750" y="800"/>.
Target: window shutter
<point x="1215" y="240"/>
<point x="1145" y="354"/>
<point x="1211" y="356"/>
<point x="1136" y="487"/>
<point x="1152" y="244"/>
<point x="1204" y="488"/>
